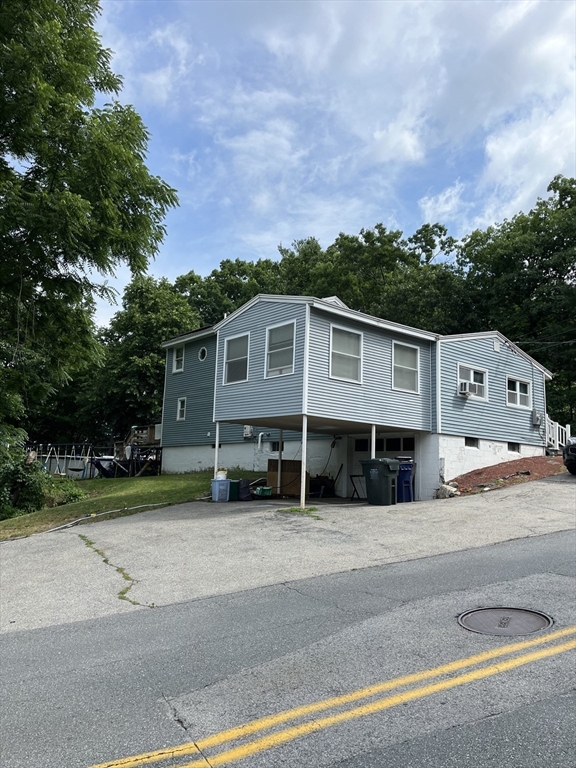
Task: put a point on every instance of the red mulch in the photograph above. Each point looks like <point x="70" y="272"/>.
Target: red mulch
<point x="503" y="475"/>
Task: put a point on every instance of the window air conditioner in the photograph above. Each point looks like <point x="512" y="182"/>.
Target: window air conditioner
<point x="464" y="388"/>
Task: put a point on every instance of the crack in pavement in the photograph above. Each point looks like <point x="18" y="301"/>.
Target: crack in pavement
<point x="322" y="600"/>
<point x="123" y="593"/>
<point x="181" y="722"/>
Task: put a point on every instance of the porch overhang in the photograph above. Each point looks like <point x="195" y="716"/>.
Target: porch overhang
<point x="317" y="424"/>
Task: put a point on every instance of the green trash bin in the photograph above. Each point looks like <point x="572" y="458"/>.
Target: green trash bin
<point x="381" y="476"/>
<point x="234" y="490"/>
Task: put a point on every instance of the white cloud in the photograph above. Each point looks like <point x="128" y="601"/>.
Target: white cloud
<point x="447" y="206"/>
<point x="282" y="120"/>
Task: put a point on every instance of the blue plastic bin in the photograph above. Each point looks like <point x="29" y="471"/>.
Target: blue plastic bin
<point x="220" y="490"/>
<point x="404" y="484"/>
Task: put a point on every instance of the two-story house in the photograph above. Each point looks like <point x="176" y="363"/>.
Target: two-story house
<point x="303" y="378"/>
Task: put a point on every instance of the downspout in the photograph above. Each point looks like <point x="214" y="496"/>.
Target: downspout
<point x="305" y="408"/>
<point x="304" y="461"/>
<point x="439" y="406"/>
<point x="216" y="449"/>
<point x="281" y="440"/>
<point x="438" y="387"/>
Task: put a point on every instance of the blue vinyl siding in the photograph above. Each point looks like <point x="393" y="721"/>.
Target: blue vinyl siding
<point x="259" y="397"/>
<point x="494" y="419"/>
<point x="374" y="401"/>
<point x="196" y="384"/>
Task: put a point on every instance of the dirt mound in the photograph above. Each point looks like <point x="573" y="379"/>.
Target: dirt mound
<point x="509" y="473"/>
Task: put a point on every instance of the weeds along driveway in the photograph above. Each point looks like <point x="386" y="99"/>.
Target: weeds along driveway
<point x="200" y="549"/>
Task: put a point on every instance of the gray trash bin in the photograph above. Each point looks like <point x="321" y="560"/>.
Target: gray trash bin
<point x="381" y="475"/>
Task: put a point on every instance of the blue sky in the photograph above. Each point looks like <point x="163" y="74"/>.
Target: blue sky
<point x="277" y="120"/>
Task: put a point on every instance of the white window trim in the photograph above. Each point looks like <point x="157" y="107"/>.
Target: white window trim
<point x="240" y="381"/>
<point x="518" y="405"/>
<point x="400" y="389"/>
<point x="480" y="370"/>
<point x="174" y="369"/>
<point x="342" y="378"/>
<point x="178" y="409"/>
<point x="269" y="328"/>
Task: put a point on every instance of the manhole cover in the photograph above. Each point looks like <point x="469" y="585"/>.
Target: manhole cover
<point x="504" y="621"/>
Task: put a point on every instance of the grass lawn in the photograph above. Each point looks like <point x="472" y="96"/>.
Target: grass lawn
<point x="117" y="494"/>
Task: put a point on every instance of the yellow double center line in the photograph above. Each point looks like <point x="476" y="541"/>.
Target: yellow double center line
<point x="279" y="737"/>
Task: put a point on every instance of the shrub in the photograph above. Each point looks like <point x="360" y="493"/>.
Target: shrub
<point x="25" y="487"/>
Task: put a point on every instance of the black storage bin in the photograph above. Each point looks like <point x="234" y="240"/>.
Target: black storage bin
<point x="244" y="493"/>
<point x="381" y="475"/>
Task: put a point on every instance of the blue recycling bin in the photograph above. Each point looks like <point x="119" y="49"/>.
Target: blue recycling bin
<point x="220" y="490"/>
<point x="404" y="483"/>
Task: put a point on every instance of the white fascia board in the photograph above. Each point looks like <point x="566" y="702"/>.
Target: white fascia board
<point x="330" y="306"/>
<point x="262" y="297"/>
<point x="377" y="322"/>
<point x="504" y="340"/>
<point x="192" y="336"/>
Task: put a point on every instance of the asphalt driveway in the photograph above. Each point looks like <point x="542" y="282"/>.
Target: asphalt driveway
<point x="199" y="549"/>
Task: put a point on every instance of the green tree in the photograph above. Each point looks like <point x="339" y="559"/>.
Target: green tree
<point x="228" y="287"/>
<point x="127" y="389"/>
<point x="521" y="280"/>
<point x="76" y="198"/>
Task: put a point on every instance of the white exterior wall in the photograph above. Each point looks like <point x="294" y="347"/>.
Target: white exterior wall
<point x="427" y="480"/>
<point x="457" y="459"/>
<point x="193" y="458"/>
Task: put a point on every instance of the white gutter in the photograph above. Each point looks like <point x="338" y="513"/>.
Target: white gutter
<point x="192" y="336"/>
<point x="305" y="373"/>
<point x="438" y="387"/>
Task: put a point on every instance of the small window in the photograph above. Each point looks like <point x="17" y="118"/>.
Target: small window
<point x="408" y="444"/>
<point x="471" y="442"/>
<point x="518" y="393"/>
<point x="514" y="447"/>
<point x="202" y="354"/>
<point x="346" y="356"/>
<point x="393" y="443"/>
<point x="178" y="360"/>
<point x="280" y="350"/>
<point x="476" y="379"/>
<point x="362" y="445"/>
<point x="405" y="365"/>
<point x="275" y="446"/>
<point x="236" y="360"/>
<point x="181" y="409"/>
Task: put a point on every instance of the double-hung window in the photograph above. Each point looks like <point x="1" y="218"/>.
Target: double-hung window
<point x="518" y="393"/>
<point x="405" y="365"/>
<point x="346" y="355"/>
<point x="236" y="359"/>
<point x="476" y="379"/>
<point x="280" y="350"/>
<point x="181" y="409"/>
<point x="178" y="360"/>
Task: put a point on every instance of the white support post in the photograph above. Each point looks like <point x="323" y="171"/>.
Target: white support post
<point x="303" y="471"/>
<point x="216" y="448"/>
<point x="280" y="438"/>
<point x="373" y="442"/>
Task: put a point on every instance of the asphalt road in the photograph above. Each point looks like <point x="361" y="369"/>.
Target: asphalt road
<point x="91" y="692"/>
